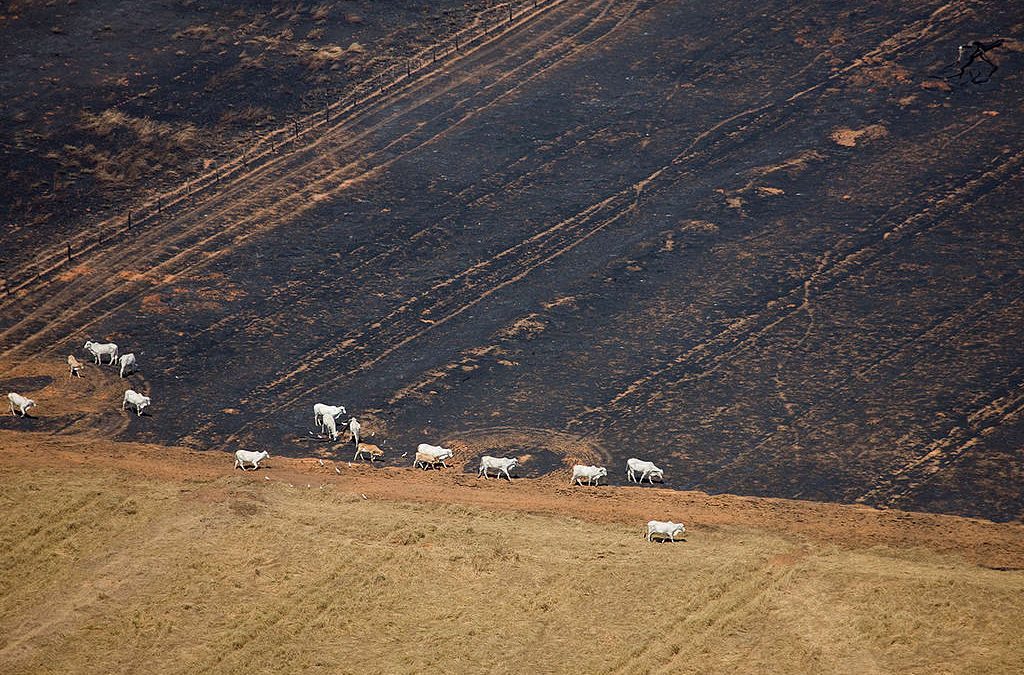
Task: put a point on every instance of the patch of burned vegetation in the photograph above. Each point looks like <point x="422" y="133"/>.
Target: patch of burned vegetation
<point x="25" y="384"/>
<point x="104" y="105"/>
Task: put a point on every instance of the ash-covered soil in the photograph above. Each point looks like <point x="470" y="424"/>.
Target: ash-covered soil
<point x="107" y="101"/>
<point x="774" y="248"/>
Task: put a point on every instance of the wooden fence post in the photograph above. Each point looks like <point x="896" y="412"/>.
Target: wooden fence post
<point x="69" y="251"/>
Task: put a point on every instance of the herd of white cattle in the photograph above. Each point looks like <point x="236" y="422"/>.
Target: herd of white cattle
<point x="126" y="364"/>
<point x="325" y="417"/>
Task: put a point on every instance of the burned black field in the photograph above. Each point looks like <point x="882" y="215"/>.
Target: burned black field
<point x="775" y="249"/>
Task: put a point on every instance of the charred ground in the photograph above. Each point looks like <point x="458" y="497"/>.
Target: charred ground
<point x="777" y="251"/>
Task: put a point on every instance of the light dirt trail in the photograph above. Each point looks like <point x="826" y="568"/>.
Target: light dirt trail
<point x="366" y="98"/>
<point x="705" y="357"/>
<point x="263" y="206"/>
<point x="418" y="92"/>
<point x="382" y="328"/>
<point x="896" y="484"/>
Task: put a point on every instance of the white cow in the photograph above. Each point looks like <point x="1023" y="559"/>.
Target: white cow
<point x="74" y="365"/>
<point x="136" y="399"/>
<point x="23" y="403"/>
<point x="645" y="469"/>
<point x="322" y="409"/>
<point x="661" y="528"/>
<point x="353" y="427"/>
<point x="254" y="458"/>
<point x="436" y="451"/>
<point x="329" y="425"/>
<point x="127" y="363"/>
<point x="98" y="350"/>
<point x="499" y="464"/>
<point x="593" y="474"/>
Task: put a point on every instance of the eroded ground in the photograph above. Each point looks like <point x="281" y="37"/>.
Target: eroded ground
<point x="776" y="251"/>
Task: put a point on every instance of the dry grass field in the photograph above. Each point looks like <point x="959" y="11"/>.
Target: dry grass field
<point x="122" y="563"/>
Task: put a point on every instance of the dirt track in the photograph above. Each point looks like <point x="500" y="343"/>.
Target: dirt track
<point x="773" y="253"/>
<point x="992" y="545"/>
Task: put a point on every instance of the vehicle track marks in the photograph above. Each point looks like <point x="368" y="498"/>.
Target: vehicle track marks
<point x="705" y="357"/>
<point x="904" y="481"/>
<point x="285" y="190"/>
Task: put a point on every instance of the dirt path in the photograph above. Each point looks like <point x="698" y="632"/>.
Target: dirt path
<point x="993" y="545"/>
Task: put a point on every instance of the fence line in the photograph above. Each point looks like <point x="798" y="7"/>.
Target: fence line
<point x="501" y="18"/>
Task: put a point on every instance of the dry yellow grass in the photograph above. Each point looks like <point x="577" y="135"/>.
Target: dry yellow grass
<point x="106" y="571"/>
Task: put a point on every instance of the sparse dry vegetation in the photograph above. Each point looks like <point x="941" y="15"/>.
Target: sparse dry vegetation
<point x="127" y="149"/>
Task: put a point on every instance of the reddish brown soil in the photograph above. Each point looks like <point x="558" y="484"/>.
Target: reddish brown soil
<point x="993" y="545"/>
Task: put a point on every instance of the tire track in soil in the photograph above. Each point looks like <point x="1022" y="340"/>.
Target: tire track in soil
<point x="705" y="357"/>
<point x="939" y="332"/>
<point x="288" y="189"/>
<point x="270" y="206"/>
<point x="898" y="40"/>
<point x="699" y="620"/>
<point x="557" y="150"/>
<point x="901" y="482"/>
<point x="53" y="261"/>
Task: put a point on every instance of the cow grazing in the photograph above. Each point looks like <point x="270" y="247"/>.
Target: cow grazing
<point x="127" y="363"/>
<point x="645" y="469"/>
<point x="592" y="474"/>
<point x="330" y="426"/>
<point x="22" y="403"/>
<point x="662" y="529"/>
<point x="499" y="464"/>
<point x="353" y="428"/>
<point x="136" y="399"/>
<point x="245" y="456"/>
<point x="368" y="449"/>
<point x="322" y="409"/>
<point x="99" y="350"/>
<point x="74" y="366"/>
<point x="436" y="451"/>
